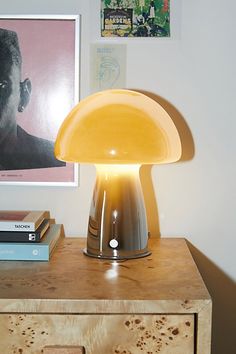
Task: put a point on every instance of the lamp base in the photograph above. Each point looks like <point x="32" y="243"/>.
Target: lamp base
<point x="119" y="256"/>
<point x="117" y="227"/>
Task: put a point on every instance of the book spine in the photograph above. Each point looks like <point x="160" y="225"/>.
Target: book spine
<point x="17" y="226"/>
<point x="24" y="252"/>
<point x="34" y="236"/>
<point x="12" y="236"/>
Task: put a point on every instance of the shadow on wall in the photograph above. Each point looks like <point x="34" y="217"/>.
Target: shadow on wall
<point x="145" y="172"/>
<point x="223" y="292"/>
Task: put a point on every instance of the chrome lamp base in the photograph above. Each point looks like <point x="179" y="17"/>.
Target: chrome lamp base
<point x="117" y="227"/>
<point x="118" y="257"/>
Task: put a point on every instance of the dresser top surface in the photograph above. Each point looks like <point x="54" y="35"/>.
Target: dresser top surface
<point x="169" y="273"/>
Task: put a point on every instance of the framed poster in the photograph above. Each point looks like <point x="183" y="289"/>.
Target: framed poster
<point x="39" y="76"/>
<point x="135" y="18"/>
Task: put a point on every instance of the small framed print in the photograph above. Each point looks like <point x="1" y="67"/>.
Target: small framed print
<point x="39" y="85"/>
<point x="107" y="66"/>
<point x="135" y="18"/>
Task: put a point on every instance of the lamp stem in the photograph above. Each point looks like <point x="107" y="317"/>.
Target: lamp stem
<point x="117" y="227"/>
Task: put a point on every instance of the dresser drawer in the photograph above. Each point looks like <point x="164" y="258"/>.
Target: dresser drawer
<point x="98" y="334"/>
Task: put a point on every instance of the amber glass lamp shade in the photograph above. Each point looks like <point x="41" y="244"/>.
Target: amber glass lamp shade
<point x="118" y="131"/>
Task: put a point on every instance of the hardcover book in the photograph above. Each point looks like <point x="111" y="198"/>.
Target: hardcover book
<point x="11" y="220"/>
<point x="10" y="251"/>
<point x="25" y="236"/>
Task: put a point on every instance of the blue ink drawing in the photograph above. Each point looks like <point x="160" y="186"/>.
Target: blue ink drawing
<point x="108" y="72"/>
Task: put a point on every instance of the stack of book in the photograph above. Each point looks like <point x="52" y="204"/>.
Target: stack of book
<point x="28" y="235"/>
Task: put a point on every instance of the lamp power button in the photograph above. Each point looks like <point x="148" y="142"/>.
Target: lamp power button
<point x="113" y="243"/>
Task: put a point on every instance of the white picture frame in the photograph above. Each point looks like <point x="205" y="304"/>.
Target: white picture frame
<point x="49" y="47"/>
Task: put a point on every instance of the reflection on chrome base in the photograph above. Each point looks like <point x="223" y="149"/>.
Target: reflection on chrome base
<point x="117" y="227"/>
<point x="118" y="256"/>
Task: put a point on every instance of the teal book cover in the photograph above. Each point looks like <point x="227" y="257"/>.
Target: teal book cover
<point x="32" y="252"/>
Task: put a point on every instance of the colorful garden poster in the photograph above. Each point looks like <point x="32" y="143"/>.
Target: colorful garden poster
<point x="135" y="18"/>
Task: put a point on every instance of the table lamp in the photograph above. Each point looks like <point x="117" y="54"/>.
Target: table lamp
<point x="118" y="131"/>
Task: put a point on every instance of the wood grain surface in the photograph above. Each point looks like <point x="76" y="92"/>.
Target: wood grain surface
<point x="103" y="334"/>
<point x="156" y="304"/>
<point x="168" y="276"/>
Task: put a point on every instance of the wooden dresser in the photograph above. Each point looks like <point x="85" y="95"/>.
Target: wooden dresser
<point x="157" y="304"/>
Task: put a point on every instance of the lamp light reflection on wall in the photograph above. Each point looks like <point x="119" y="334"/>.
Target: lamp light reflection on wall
<point x="118" y="131"/>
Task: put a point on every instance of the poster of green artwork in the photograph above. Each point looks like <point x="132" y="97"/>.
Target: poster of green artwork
<point x="135" y="18"/>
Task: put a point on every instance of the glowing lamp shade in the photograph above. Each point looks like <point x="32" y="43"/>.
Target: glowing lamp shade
<point x="118" y="131"/>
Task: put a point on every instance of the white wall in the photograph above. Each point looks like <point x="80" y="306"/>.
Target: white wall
<point x="194" y="71"/>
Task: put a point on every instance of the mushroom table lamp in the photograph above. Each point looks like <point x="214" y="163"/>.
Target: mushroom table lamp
<point x="118" y="131"/>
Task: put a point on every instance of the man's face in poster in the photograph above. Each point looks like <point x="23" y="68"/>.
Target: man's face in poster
<point x="10" y="75"/>
<point x="9" y="94"/>
<point x="25" y="143"/>
<point x="14" y="94"/>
